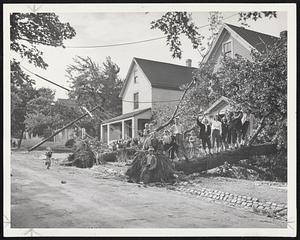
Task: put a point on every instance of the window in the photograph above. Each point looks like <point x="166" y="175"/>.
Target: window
<point x="227" y="49"/>
<point x="135" y="76"/>
<point x="135" y="100"/>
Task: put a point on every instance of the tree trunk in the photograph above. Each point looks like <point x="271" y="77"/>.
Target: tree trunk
<point x="217" y="159"/>
<point x="21" y="138"/>
<point x="261" y="126"/>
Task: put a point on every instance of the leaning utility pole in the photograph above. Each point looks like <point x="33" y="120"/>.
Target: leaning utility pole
<point x="58" y="131"/>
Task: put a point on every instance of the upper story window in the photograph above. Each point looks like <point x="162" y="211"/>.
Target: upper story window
<point x="135" y="100"/>
<point x="227" y="49"/>
<point x="135" y="76"/>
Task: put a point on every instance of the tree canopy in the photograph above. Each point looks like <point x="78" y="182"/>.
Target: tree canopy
<point x="92" y="85"/>
<point x="27" y="31"/>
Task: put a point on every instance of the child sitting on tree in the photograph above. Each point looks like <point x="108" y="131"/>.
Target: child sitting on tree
<point x="48" y="157"/>
<point x="150" y="165"/>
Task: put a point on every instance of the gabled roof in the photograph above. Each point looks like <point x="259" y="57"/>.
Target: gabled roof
<point x="248" y="38"/>
<point x="218" y="103"/>
<point x="255" y="39"/>
<point x="161" y="74"/>
<point x="126" y="115"/>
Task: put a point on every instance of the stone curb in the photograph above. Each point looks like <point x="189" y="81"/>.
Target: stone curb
<point x="271" y="209"/>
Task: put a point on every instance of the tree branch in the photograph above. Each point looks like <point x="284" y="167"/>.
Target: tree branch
<point x="177" y="107"/>
<point x="261" y="126"/>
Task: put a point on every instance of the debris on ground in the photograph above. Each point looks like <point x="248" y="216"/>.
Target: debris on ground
<point x="163" y="172"/>
<point x="82" y="157"/>
<point x="63" y="182"/>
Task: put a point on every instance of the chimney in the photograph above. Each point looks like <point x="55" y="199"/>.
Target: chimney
<point x="188" y="62"/>
<point x="283" y="34"/>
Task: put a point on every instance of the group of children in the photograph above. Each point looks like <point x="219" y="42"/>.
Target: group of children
<point x="221" y="132"/>
<point x="216" y="133"/>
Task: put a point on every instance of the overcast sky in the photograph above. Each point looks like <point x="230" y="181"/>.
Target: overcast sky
<point x="114" y="28"/>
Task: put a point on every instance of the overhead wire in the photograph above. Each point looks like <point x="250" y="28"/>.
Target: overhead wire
<point x="56" y="84"/>
<point x="120" y="44"/>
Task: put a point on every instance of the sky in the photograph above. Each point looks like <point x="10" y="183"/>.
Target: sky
<point x="114" y="28"/>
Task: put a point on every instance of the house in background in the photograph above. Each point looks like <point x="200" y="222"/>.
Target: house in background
<point x="72" y="131"/>
<point x="148" y="86"/>
<point x="232" y="40"/>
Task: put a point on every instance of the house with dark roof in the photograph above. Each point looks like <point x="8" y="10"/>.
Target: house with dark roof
<point x="232" y="40"/>
<point x="148" y="85"/>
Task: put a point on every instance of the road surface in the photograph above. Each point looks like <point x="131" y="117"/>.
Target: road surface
<point x="40" y="200"/>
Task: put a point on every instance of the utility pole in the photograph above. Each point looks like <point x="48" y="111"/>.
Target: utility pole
<point x="58" y="131"/>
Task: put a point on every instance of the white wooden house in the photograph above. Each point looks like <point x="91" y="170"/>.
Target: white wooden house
<point x="232" y="40"/>
<point x="148" y="85"/>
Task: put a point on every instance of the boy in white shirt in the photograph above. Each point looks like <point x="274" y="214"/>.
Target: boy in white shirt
<point x="216" y="133"/>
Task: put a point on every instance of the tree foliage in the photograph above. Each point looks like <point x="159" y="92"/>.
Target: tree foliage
<point x="92" y="85"/>
<point x="175" y="24"/>
<point x="27" y="30"/>
<point x="39" y="114"/>
<point x="22" y="92"/>
<point x="260" y="85"/>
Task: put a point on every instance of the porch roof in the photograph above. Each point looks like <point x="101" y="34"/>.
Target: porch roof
<point x="126" y="115"/>
<point x="220" y="103"/>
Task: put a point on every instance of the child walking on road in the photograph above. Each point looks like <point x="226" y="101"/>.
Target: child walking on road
<point x="48" y="157"/>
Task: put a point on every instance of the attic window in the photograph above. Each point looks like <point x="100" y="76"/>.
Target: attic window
<point x="227" y="49"/>
<point x="135" y="76"/>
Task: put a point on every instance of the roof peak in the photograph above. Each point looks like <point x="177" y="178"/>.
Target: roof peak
<point x="246" y="29"/>
<point x="160" y="62"/>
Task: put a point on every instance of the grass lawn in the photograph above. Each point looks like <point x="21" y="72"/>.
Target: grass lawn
<point x="56" y="146"/>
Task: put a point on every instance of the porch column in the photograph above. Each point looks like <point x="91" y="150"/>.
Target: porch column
<point x="108" y="133"/>
<point x="133" y="127"/>
<point x="101" y="132"/>
<point x="123" y="129"/>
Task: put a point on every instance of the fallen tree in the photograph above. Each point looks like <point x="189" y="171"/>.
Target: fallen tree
<point x="231" y="156"/>
<point x="163" y="172"/>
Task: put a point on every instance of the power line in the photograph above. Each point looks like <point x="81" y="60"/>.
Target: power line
<point x="56" y="84"/>
<point x="118" y="44"/>
<point x="136" y="42"/>
<point x="154" y="101"/>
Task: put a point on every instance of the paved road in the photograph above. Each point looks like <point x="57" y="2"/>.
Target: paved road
<point x="40" y="200"/>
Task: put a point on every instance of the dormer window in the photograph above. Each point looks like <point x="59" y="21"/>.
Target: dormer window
<point x="227" y="49"/>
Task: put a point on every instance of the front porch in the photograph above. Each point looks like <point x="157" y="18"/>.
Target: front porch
<point x="124" y="126"/>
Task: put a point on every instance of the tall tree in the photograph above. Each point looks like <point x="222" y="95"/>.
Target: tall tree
<point x="40" y="115"/>
<point x="22" y="92"/>
<point x="92" y="84"/>
<point x="27" y="31"/>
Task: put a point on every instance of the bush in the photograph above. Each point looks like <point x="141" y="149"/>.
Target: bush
<point x="70" y="143"/>
<point x="108" y="157"/>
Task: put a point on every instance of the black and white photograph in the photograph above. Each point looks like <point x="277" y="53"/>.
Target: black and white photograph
<point x="149" y="119"/>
